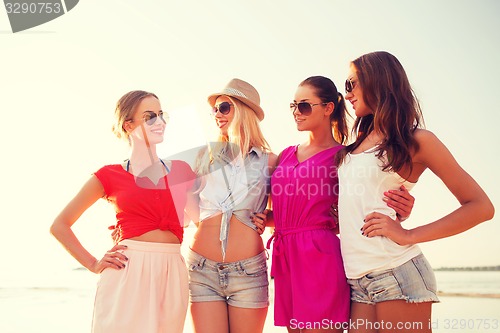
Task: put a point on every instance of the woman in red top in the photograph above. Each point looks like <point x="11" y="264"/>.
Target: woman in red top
<point x="143" y="285"/>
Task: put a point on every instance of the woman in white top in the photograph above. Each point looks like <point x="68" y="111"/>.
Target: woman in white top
<point x="392" y="284"/>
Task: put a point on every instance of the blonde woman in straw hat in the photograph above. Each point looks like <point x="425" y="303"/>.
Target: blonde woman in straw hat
<point x="227" y="261"/>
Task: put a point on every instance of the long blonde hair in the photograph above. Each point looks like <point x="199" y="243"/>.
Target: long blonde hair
<point x="243" y="133"/>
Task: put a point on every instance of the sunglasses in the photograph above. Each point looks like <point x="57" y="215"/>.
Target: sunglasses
<point x="304" y="108"/>
<point x="350" y="85"/>
<point x="149" y="117"/>
<point x="224" y="108"/>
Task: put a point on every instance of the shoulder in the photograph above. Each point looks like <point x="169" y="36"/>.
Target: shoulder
<point x="181" y="169"/>
<point x="424" y="136"/>
<point x="272" y="160"/>
<point x="337" y="148"/>
<point x="431" y="149"/>
<point x="179" y="164"/>
<point x="428" y="142"/>
<point x="289" y="149"/>
<point x="111" y="168"/>
<point x="108" y="175"/>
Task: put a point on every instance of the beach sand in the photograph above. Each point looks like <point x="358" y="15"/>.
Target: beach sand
<point x="63" y="310"/>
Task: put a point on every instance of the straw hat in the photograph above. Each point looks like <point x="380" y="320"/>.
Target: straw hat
<point x="242" y="91"/>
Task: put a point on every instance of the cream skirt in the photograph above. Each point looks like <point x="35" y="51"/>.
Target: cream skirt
<point x="149" y="295"/>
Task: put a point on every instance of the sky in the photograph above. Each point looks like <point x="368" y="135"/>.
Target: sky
<point x="60" y="82"/>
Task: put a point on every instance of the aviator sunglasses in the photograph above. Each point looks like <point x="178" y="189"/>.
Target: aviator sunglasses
<point x="224" y="108"/>
<point x="349" y="85"/>
<point x="149" y="117"/>
<point x="304" y="107"/>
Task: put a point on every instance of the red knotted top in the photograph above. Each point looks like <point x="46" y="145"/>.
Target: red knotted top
<point x="143" y="206"/>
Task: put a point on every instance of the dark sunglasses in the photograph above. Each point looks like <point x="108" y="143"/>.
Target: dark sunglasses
<point x="304" y="107"/>
<point x="149" y="117"/>
<point x="349" y="85"/>
<point x="224" y="108"/>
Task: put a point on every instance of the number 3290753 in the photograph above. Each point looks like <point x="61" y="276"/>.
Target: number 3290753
<point x="33" y="8"/>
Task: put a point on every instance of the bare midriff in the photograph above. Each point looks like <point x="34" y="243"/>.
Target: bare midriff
<point x="157" y="236"/>
<point x="242" y="243"/>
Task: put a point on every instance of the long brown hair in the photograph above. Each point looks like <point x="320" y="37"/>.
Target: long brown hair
<point x="396" y="111"/>
<point x="327" y="92"/>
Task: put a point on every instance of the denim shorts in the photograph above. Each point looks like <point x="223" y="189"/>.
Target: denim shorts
<point x="412" y="281"/>
<point x="241" y="283"/>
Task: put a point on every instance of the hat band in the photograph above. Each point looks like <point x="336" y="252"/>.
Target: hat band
<point x="231" y="91"/>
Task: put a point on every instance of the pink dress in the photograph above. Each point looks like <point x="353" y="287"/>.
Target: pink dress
<point x="309" y="278"/>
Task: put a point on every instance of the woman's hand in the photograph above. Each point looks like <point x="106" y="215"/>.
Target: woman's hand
<point x="112" y="259"/>
<point x="401" y="201"/>
<point x="260" y="221"/>
<point x="115" y="233"/>
<point x="377" y="224"/>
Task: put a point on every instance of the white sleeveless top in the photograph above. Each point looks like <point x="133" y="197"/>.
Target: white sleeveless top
<point x="362" y="184"/>
<point x="239" y="187"/>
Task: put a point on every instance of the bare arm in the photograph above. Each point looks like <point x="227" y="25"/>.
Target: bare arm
<point x="272" y="163"/>
<point x="91" y="191"/>
<point x="269" y="216"/>
<point x="192" y="208"/>
<point x="475" y="206"/>
<point x="265" y="219"/>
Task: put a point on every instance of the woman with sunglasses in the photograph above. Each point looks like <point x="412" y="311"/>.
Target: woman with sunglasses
<point x="391" y="281"/>
<point x="311" y="292"/>
<point x="143" y="285"/>
<point x="227" y="260"/>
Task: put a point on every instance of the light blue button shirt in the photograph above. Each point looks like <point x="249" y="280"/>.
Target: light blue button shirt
<point x="238" y="187"/>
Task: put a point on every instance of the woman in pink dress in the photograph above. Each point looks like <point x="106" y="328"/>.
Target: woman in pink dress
<point x="310" y="285"/>
<point x="311" y="290"/>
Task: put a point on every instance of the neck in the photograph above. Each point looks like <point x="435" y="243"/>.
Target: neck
<point x="143" y="156"/>
<point x="322" y="137"/>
